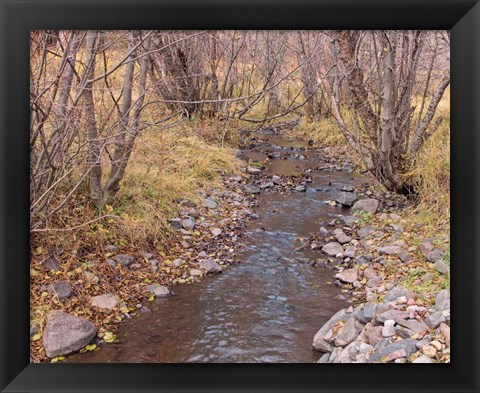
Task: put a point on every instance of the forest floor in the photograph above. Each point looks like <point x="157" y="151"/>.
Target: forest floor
<point x="391" y="269"/>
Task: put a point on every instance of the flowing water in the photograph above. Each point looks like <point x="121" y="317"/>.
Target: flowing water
<point x="266" y="308"/>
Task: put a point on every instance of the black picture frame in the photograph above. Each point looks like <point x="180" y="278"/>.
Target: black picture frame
<point x="18" y="17"/>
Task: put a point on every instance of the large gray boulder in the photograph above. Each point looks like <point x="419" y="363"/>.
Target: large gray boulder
<point x="65" y="333"/>
<point x="369" y="205"/>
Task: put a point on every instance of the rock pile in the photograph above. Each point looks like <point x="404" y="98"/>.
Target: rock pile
<point x="396" y="330"/>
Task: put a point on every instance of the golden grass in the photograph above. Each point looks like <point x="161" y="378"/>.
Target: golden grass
<point x="323" y="132"/>
<point x="166" y="166"/>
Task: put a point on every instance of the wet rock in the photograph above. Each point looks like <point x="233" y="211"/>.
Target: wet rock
<point x="369" y="205"/>
<point x="388" y="250"/>
<point x="210" y="203"/>
<point x="348" y="276"/>
<point x="158" y="290"/>
<point x="188" y="223"/>
<point x="300" y="188"/>
<point x="210" y="266"/>
<point x="124" y="259"/>
<point x="348" y="332"/>
<point x="332" y="248"/>
<point x="251" y="189"/>
<point x="442" y="300"/>
<point x="441" y="267"/>
<point x="346" y="198"/>
<point x="65" y="333"/>
<point x="347" y="188"/>
<point x="61" y="289"/>
<point x="51" y="264"/>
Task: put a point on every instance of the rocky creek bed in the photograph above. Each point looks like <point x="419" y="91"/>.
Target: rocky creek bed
<point x="299" y="238"/>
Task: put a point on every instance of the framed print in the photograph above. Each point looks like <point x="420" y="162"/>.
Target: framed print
<point x="239" y="196"/>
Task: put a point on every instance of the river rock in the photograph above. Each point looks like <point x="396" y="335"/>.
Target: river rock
<point x="347" y="188"/>
<point x="412" y="324"/>
<point x="253" y="170"/>
<point x="348" y="276"/>
<point x="61" y="289"/>
<point x="188" y="223"/>
<point x="425" y="248"/>
<point x="388" y="250"/>
<point x="441" y="267"/>
<point x="251" y="189"/>
<point x="124" y="259"/>
<point x="373" y="334"/>
<point x="348" y="332"/>
<point x="319" y="342"/>
<point x="210" y="266"/>
<point x="195" y="272"/>
<point x="405" y="257"/>
<point x="107" y="301"/>
<point x="341" y="237"/>
<point x="176" y="223"/>
<point x="346" y="198"/>
<point x="435" y="319"/>
<point x="364" y="232"/>
<point x="385" y="348"/>
<point x="210" y="203"/>
<point x="442" y="300"/>
<point x="332" y="248"/>
<point x="395" y="293"/>
<point x="369" y="205"/>
<point x="434" y="255"/>
<point x="158" y="290"/>
<point x="423" y="359"/>
<point x="300" y="188"/>
<point x="65" y="333"/>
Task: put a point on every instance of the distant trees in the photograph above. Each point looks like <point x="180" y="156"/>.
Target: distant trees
<point x="93" y="92"/>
